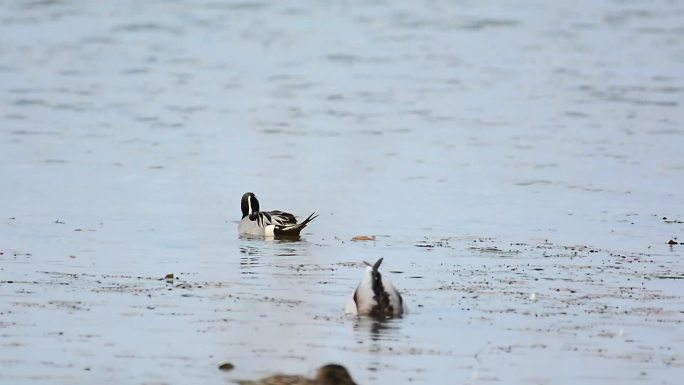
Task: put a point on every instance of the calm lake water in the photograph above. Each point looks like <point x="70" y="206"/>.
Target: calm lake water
<point x="520" y="164"/>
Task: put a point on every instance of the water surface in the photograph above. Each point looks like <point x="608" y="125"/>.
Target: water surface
<point x="519" y="164"/>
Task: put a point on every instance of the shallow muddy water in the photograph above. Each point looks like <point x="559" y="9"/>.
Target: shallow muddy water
<point x="519" y="165"/>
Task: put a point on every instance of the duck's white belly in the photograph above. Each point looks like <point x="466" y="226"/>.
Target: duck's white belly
<point x="351" y="306"/>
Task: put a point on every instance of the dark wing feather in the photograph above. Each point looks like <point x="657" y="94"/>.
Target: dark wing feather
<point x="278" y="218"/>
<point x="282" y="218"/>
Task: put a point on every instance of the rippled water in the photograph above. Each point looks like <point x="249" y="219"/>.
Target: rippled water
<point x="519" y="164"/>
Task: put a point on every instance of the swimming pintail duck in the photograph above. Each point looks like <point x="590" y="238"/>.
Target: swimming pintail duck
<point x="331" y="374"/>
<point x="375" y="296"/>
<point x="268" y="223"/>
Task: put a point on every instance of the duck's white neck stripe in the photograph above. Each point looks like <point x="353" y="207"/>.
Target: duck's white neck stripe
<point x="249" y="204"/>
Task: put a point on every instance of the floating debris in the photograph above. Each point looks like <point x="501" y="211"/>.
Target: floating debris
<point x="169" y="278"/>
<point x="226" y="366"/>
<point x="672" y="242"/>
<point x="363" y="238"/>
<point x="424" y="244"/>
<point x="672" y="220"/>
<point x="669" y="276"/>
<point x="493" y="250"/>
<point x="429" y="245"/>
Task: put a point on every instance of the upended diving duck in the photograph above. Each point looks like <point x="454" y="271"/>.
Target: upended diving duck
<point x="375" y="296"/>
<point x="268" y="223"/>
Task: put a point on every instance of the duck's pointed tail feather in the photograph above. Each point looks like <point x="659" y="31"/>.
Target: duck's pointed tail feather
<point x="295" y="229"/>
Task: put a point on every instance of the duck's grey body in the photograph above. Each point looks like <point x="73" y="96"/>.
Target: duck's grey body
<point x="375" y="296"/>
<point x="268" y="223"/>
